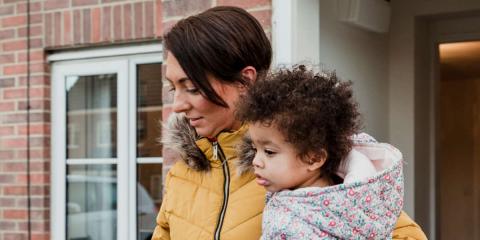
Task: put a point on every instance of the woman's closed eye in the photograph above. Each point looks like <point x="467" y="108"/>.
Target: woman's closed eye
<point x="193" y="90"/>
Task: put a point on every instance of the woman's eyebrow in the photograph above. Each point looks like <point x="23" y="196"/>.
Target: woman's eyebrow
<point x="179" y="81"/>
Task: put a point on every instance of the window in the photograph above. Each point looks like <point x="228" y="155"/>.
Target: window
<point x="106" y="158"/>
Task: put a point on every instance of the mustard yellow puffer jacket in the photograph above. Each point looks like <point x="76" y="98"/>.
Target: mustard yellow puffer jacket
<point x="205" y="199"/>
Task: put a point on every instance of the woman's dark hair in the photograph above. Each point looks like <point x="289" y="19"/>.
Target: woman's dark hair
<point x="220" y="41"/>
<point x="313" y="111"/>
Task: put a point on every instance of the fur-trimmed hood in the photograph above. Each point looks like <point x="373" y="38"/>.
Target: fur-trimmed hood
<point x="196" y="151"/>
<point x="181" y="137"/>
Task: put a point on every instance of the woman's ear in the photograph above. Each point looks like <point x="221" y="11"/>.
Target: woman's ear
<point x="316" y="160"/>
<point x="249" y="73"/>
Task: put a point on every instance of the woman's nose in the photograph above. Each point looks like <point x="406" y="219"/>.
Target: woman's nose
<point x="179" y="103"/>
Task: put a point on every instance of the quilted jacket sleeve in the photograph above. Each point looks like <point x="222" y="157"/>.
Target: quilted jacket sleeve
<point x="407" y="229"/>
<point x="162" y="230"/>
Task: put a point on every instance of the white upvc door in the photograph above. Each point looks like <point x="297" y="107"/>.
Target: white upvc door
<point x="97" y="150"/>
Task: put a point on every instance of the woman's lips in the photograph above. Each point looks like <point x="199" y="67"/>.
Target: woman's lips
<point x="262" y="181"/>
<point x="194" y="121"/>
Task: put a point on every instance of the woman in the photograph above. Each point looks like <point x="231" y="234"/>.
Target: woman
<point x="212" y="58"/>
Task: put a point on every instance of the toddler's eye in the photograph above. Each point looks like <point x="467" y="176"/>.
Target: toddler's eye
<point x="269" y="152"/>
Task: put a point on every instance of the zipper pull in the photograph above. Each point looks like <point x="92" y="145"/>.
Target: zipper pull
<point x="215" y="150"/>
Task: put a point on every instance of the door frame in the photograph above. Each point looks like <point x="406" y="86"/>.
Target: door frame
<point x="430" y="31"/>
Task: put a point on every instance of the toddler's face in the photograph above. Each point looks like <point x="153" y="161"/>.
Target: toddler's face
<point x="276" y="163"/>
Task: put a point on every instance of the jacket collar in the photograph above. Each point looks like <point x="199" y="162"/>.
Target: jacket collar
<point x="194" y="150"/>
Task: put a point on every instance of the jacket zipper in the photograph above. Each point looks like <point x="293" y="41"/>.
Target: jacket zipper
<point x="218" y="152"/>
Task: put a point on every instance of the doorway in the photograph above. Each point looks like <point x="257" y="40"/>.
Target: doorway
<point x="458" y="140"/>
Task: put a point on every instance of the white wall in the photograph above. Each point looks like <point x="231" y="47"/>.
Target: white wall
<point x="402" y="77"/>
<point x="362" y="57"/>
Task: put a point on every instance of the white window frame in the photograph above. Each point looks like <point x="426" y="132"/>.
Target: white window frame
<point x="122" y="61"/>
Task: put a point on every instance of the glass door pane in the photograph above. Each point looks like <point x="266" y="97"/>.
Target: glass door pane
<point x="91" y="116"/>
<point x="92" y="202"/>
<point x="149" y="173"/>
<point x="149" y="109"/>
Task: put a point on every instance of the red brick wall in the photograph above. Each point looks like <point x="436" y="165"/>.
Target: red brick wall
<point x="64" y="24"/>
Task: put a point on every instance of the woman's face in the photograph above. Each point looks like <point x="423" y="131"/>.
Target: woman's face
<point x="207" y="118"/>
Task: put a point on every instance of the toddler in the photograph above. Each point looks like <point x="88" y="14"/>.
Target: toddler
<point x="324" y="181"/>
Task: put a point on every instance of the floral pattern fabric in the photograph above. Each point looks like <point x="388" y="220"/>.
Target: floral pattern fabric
<point x="363" y="209"/>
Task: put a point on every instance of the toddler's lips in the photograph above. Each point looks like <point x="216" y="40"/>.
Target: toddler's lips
<point x="262" y="181"/>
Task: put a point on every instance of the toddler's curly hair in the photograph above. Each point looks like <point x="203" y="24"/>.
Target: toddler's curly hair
<point x="313" y="111"/>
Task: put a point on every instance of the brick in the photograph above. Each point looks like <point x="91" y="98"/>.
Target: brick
<point x="34" y="153"/>
<point x="6" y="130"/>
<point x="35" y="80"/>
<point x="184" y="7"/>
<point x="14" y="93"/>
<point x="37" y="178"/>
<point x="4" y="225"/>
<point x="34" y="129"/>
<point x="246" y="4"/>
<point x="158" y="18"/>
<point x="34" y="7"/>
<point x="14" y="166"/>
<point x="115" y="1"/>
<point x="13" y="143"/>
<point x="34" y="31"/>
<point x="40" y="141"/>
<point x="40" y="214"/>
<point x="6" y="10"/>
<point x="39" y="190"/>
<point x="36" y="43"/>
<point x="35" y="55"/>
<point x="149" y="19"/>
<point x="13" y="118"/>
<point x="14" y="191"/>
<point x="106" y="23"/>
<point x="67" y="28"/>
<point x="87" y="22"/>
<point x="96" y="23"/>
<point x="15" y="214"/>
<point x="15" y="69"/>
<point x="7" y="34"/>
<point x="6" y="154"/>
<point x="48" y="29"/>
<point x="7" y="82"/>
<point x="128" y="21"/>
<point x="84" y="2"/>
<point x="55" y="4"/>
<point x="77" y="21"/>
<point x="6" y="58"/>
<point x="6" y="107"/>
<point x="7" y="178"/>
<point x="36" y="226"/>
<point x="42" y="202"/>
<point x="57" y="17"/>
<point x="14" y="21"/>
<point x="40" y="104"/>
<point x="15" y="236"/>
<point x="139" y="25"/>
<point x="15" y="45"/>
<point x="12" y="1"/>
<point x="36" y="18"/>
<point x="264" y="17"/>
<point x="117" y="19"/>
<point x="40" y="236"/>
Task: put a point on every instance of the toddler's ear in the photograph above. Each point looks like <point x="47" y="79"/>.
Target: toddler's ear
<point x="317" y="160"/>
